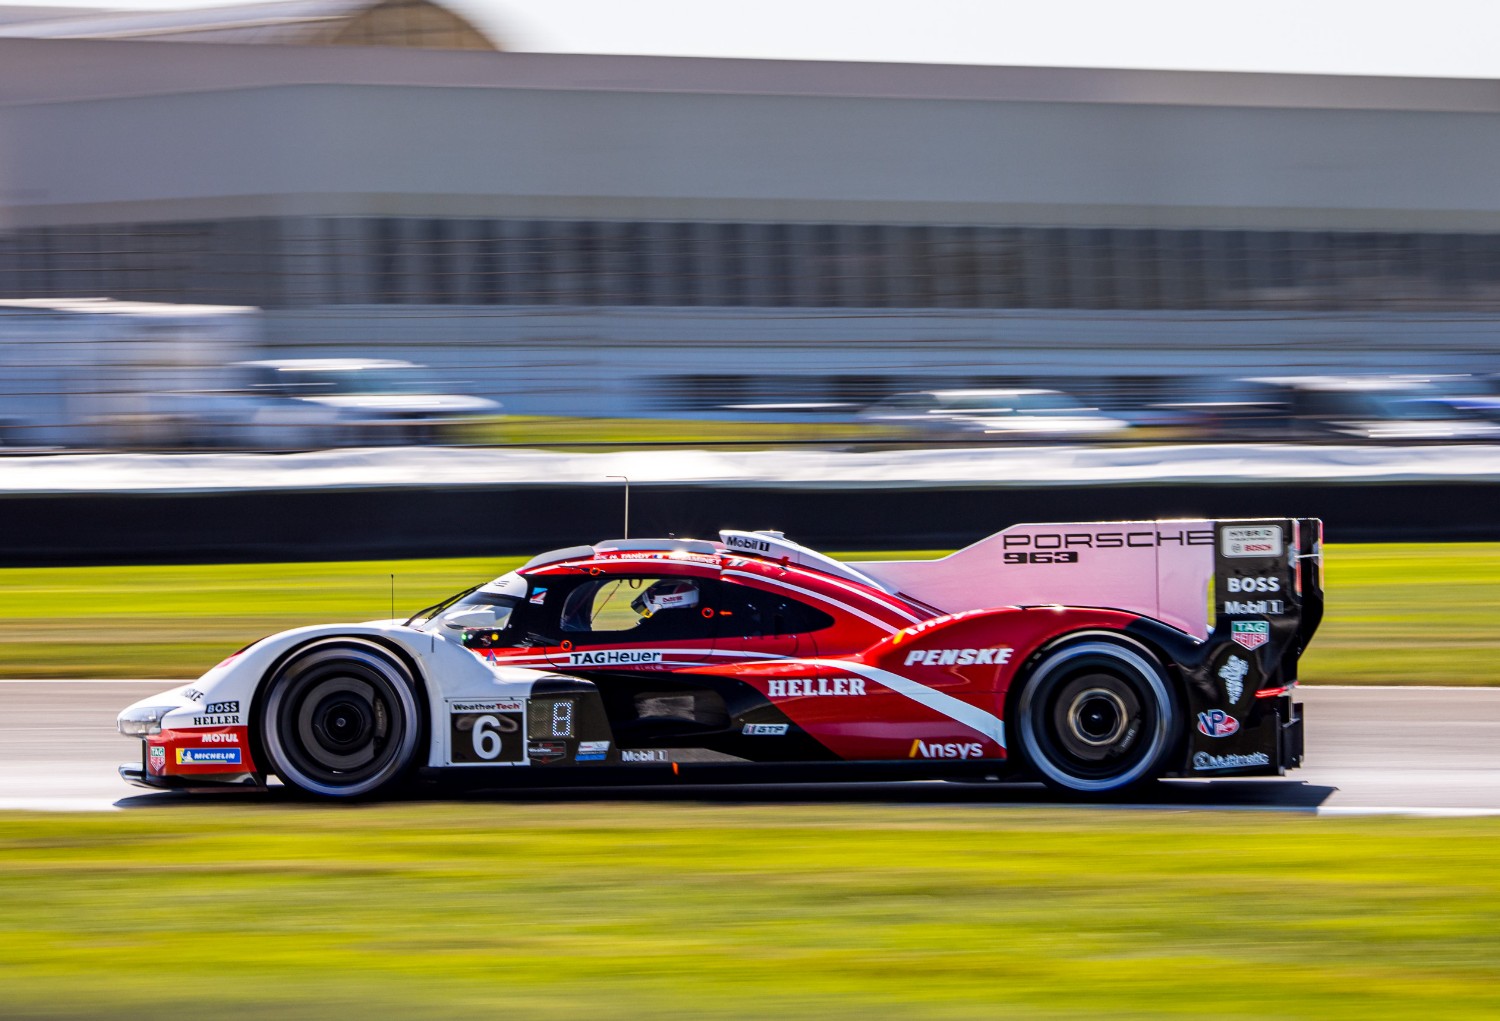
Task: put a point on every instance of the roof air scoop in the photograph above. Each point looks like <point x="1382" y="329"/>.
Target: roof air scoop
<point x="776" y="546"/>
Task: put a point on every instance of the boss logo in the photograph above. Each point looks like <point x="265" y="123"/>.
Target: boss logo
<point x="1269" y="584"/>
<point x="222" y="707"/>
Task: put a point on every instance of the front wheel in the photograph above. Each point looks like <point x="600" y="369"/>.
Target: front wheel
<point x="341" y="719"/>
<point x="1097" y="717"/>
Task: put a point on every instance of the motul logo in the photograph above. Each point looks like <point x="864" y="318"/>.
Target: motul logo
<point x="953" y="750"/>
<point x="957" y="657"/>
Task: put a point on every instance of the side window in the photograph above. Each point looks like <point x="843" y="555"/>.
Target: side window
<point x="751" y="613"/>
<point x="637" y="609"/>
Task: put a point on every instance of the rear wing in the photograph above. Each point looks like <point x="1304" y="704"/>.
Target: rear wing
<point x="1266" y="570"/>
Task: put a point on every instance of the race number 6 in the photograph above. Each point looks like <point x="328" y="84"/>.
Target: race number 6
<point x="487" y="737"/>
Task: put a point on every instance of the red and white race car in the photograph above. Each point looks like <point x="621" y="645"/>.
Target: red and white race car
<point x="1092" y="656"/>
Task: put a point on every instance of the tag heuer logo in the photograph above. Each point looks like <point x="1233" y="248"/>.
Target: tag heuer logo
<point x="1251" y="634"/>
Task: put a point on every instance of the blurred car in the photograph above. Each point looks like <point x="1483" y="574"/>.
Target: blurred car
<point x="1378" y="409"/>
<point x="362" y="400"/>
<point x="994" y="415"/>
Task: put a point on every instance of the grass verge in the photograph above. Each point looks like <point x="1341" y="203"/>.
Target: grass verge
<point x="1397" y="614"/>
<point x="679" y="911"/>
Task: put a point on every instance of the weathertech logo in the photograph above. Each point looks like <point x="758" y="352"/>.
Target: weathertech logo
<point x="957" y="657"/>
<point x="807" y="687"/>
<point x="952" y="750"/>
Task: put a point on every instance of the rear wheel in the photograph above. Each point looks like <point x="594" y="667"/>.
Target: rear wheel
<point x="1097" y="717"/>
<point x="341" y="719"/>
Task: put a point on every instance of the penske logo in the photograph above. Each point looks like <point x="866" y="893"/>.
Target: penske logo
<point x="958" y="657"/>
<point x="951" y="750"/>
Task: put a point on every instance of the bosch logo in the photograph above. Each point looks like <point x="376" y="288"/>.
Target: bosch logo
<point x="1261" y="584"/>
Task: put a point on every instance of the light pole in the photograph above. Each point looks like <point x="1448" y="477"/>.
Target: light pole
<point x="627" y="502"/>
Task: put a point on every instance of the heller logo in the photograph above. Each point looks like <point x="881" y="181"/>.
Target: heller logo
<point x="809" y="687"/>
<point x="1232" y="673"/>
<point x="957" y="657"/>
<point x="208" y="756"/>
<point x="613" y="657"/>
<point x="1253" y="541"/>
<point x="953" y="750"/>
<point x="1217" y="723"/>
<point x="1251" y="634"/>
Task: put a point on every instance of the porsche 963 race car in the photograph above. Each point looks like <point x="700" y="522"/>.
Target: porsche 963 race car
<point x="1094" y="657"/>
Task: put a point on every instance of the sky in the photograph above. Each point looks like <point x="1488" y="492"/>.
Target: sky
<point x="1439" y="38"/>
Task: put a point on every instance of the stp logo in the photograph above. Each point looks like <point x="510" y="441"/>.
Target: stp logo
<point x="1217" y="723"/>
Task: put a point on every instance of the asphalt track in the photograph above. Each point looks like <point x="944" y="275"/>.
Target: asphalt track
<point x="1369" y="751"/>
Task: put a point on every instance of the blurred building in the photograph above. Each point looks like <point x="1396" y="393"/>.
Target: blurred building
<point x="643" y="231"/>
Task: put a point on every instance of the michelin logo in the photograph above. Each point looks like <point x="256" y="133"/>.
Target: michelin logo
<point x="957" y="657"/>
<point x="1232" y="673"/>
<point x="613" y="657"/>
<point x="208" y="756"/>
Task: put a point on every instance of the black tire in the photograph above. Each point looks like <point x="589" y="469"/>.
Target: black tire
<point x="1097" y="716"/>
<point x="342" y="719"/>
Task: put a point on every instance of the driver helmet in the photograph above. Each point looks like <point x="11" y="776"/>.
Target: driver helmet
<point x="667" y="594"/>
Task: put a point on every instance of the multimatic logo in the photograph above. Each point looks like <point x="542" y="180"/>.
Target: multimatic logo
<point x="613" y="657"/>
<point x="809" y="687"/>
<point x="958" y="657"/>
<point x="1204" y="761"/>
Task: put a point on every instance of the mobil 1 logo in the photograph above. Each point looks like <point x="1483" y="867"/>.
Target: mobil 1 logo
<point x="485" y="732"/>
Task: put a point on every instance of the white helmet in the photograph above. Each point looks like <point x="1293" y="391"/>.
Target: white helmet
<point x="667" y="594"/>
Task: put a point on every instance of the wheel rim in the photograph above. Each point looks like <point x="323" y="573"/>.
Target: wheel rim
<point x="1096" y="716"/>
<point x="340" y="721"/>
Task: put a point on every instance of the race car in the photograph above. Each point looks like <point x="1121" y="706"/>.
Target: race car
<point x="1096" y="657"/>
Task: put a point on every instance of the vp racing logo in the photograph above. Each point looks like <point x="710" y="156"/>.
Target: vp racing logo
<point x="1217" y="723"/>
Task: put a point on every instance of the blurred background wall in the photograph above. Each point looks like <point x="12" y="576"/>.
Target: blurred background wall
<point x="632" y="235"/>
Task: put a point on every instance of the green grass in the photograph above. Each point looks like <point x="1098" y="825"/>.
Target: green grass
<point x="684" y="911"/>
<point x="625" y="433"/>
<point x="1397" y="614"/>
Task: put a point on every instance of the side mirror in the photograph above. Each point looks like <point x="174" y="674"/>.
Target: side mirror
<point x="473" y="617"/>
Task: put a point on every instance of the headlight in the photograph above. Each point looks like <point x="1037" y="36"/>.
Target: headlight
<point x="144" y="721"/>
